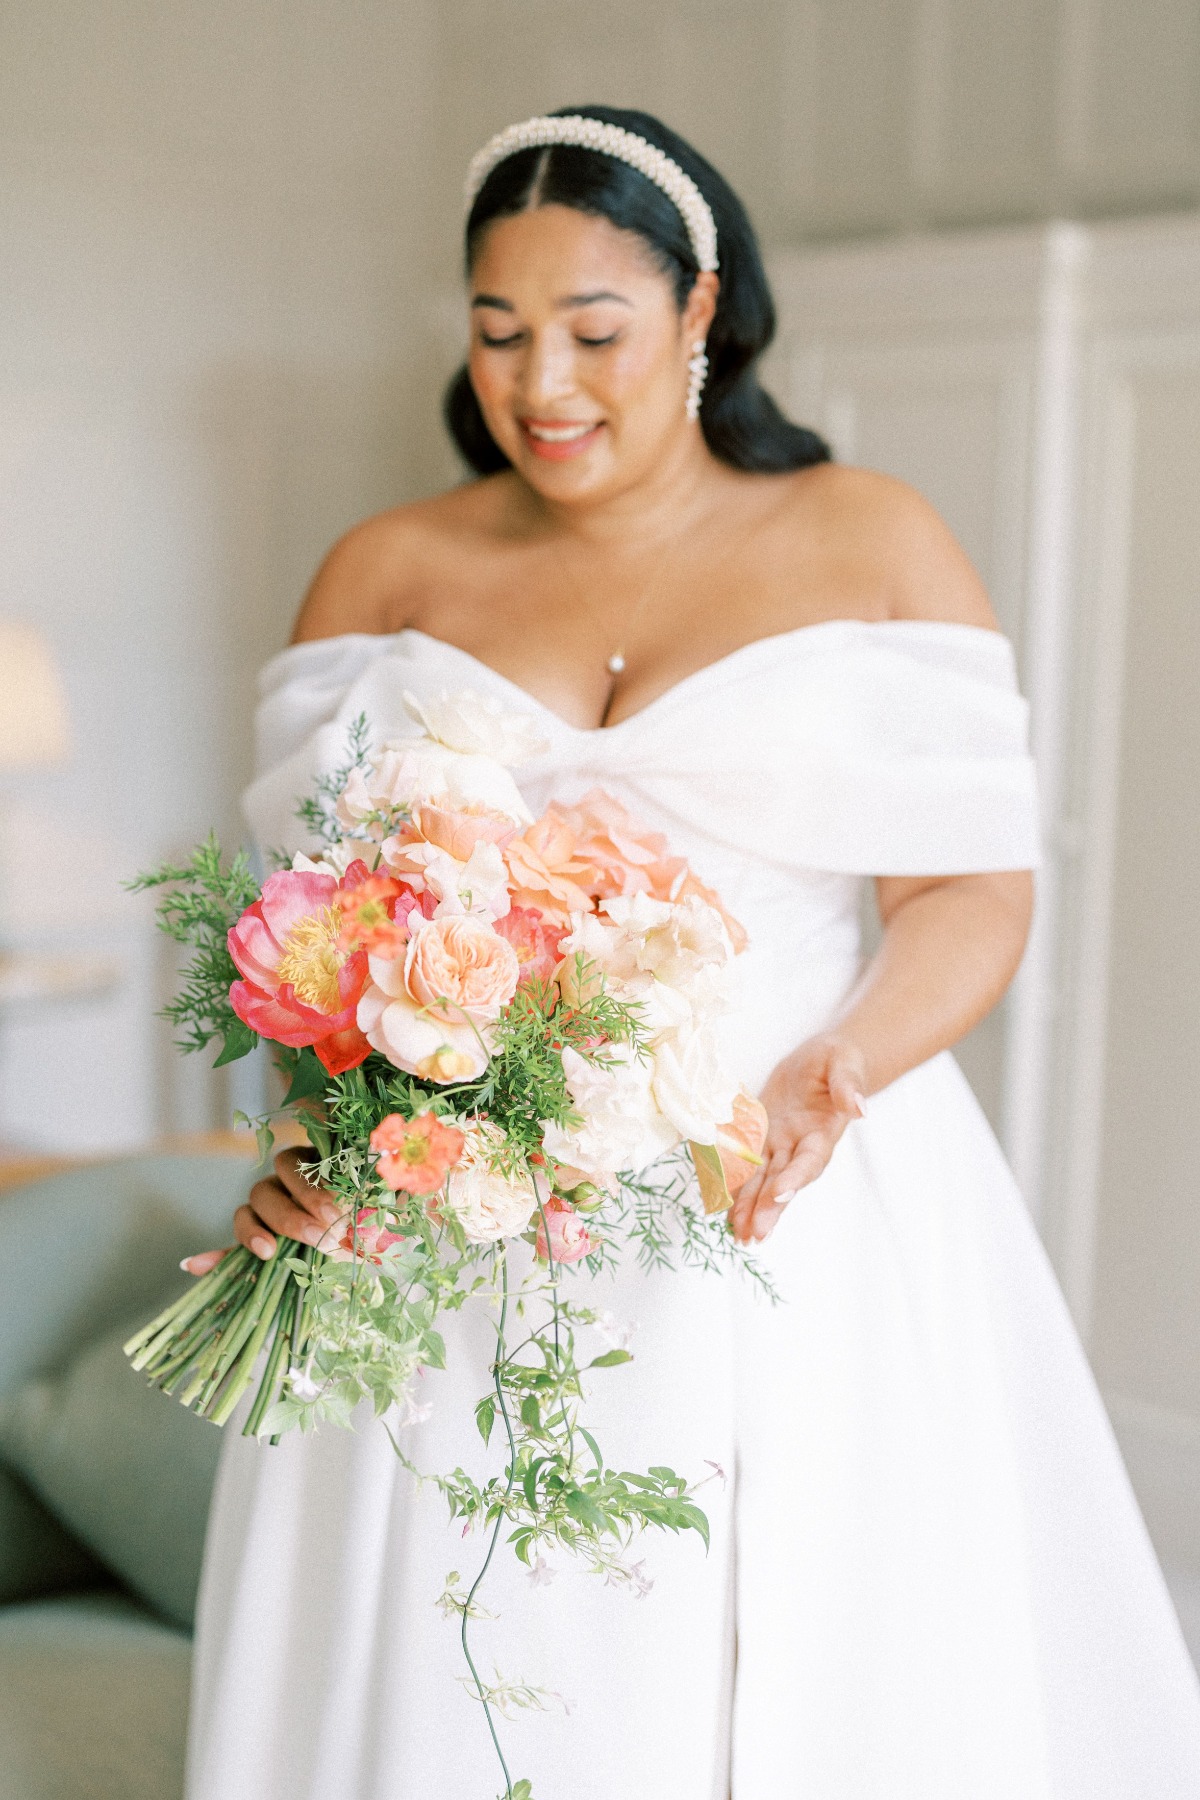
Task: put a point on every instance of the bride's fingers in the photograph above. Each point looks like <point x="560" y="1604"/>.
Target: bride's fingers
<point x="283" y="1215"/>
<point x="742" y="1211"/>
<point x="808" y="1160"/>
<point x="292" y="1171"/>
<point x="847" y="1083"/>
<point x="203" y="1261"/>
<point x="249" y="1230"/>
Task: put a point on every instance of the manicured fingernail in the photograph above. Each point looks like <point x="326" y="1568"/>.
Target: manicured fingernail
<point x="782" y="1199"/>
<point x="328" y="1215"/>
<point x="186" y="1265"/>
<point x="263" y="1247"/>
<point x="860" y="1103"/>
<point x="312" y="1234"/>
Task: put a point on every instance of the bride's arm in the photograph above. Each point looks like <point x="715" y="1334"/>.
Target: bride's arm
<point x="951" y="945"/>
<point x="950" y="948"/>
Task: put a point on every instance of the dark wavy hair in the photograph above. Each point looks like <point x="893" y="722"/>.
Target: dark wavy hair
<point x="741" y="423"/>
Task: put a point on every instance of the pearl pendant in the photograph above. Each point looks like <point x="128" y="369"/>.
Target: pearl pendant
<point x="616" y="663"/>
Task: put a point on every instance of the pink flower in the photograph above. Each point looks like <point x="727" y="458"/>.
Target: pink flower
<point x="359" y="1237"/>
<point x="621" y="857"/>
<point x="535" y="940"/>
<point x="431" y="1013"/>
<point x="414" y="1154"/>
<point x="570" y="1239"/>
<point x="300" y="986"/>
<point x="368" y="909"/>
<point x="546" y="874"/>
<point x="457" y="833"/>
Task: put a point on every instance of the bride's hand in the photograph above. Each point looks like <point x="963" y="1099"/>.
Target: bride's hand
<point x="810" y="1099"/>
<point x="286" y="1203"/>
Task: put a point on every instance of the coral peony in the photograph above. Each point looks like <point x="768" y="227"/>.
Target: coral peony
<point x="300" y="986"/>
<point x="414" y="1154"/>
<point x="570" y="1240"/>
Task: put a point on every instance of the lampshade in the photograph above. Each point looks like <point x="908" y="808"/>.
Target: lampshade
<point x="33" y="708"/>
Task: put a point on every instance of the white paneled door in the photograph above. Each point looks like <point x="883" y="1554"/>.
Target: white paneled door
<point x="1042" y="388"/>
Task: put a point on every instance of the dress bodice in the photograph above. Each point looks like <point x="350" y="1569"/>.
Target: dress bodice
<point x="785" y="772"/>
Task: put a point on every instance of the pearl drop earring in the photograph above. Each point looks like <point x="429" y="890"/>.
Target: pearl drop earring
<point x="697" y="376"/>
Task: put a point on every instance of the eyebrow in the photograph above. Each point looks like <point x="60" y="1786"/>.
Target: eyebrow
<point x="494" y="300"/>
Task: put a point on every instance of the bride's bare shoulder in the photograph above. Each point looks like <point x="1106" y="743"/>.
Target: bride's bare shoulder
<point x="367" y="580"/>
<point x="905" y="550"/>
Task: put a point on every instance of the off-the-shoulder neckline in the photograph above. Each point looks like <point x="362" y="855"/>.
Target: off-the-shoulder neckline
<point x="772" y="642"/>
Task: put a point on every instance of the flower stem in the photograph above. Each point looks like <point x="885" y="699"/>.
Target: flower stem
<point x="498" y="1381"/>
<point x="239" y="1370"/>
<point x="162" y="1332"/>
<point x="279" y="1347"/>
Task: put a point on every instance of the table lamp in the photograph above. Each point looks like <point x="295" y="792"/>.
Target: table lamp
<point x="33" y="709"/>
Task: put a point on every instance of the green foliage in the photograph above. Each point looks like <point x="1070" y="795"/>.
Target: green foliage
<point x="318" y="813"/>
<point x="202" y="900"/>
<point x="523" y="1086"/>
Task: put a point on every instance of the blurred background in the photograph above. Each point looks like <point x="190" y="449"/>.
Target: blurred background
<point x="230" y="241"/>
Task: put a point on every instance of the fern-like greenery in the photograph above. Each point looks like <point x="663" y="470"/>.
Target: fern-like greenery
<point x="202" y="899"/>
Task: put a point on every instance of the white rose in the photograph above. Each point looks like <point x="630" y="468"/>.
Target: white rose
<point x="479" y="885"/>
<point x="487" y="1203"/>
<point x="478" y="724"/>
<point x="409" y="772"/>
<point x="682" y="943"/>
<point x="691" y="1085"/>
<point x="335" y="859"/>
<point x="622" y="1126"/>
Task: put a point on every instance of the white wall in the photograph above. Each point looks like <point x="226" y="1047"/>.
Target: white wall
<point x="212" y="226"/>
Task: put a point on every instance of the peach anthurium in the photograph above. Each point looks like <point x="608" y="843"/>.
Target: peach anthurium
<point x="724" y="1167"/>
<point x="299" y="985"/>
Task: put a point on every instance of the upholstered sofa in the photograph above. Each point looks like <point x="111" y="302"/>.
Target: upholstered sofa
<point x="104" y="1482"/>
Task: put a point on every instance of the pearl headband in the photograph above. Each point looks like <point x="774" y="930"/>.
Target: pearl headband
<point x="609" y="140"/>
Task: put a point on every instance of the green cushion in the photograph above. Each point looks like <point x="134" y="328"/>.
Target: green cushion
<point x="127" y="1469"/>
<point x="93" y="1701"/>
<point x="37" y="1554"/>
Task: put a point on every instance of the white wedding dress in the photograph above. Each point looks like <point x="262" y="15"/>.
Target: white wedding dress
<point x="928" y="1578"/>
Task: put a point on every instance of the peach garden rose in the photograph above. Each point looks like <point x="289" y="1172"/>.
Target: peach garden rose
<point x="431" y="1012"/>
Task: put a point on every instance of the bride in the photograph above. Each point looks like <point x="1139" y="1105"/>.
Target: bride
<point x="928" y="1577"/>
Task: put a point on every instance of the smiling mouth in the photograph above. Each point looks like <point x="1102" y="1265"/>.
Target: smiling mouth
<point x="559" y="437"/>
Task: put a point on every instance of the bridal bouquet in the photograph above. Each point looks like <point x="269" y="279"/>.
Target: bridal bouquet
<point x="502" y="1038"/>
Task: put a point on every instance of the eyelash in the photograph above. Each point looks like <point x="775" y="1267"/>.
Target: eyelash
<point x="506" y="343"/>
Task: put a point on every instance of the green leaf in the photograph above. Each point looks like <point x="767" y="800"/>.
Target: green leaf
<point x="529" y="1485"/>
<point x="592" y="1445"/>
<point x="485" y="1417"/>
<point x="309" y="1077"/>
<point x="710" y="1178"/>
<point x="531" y="1413"/>
<point x="239" y="1041"/>
<point x="433" y="1347"/>
<point x="585" y="1510"/>
<point x="610" y="1359"/>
